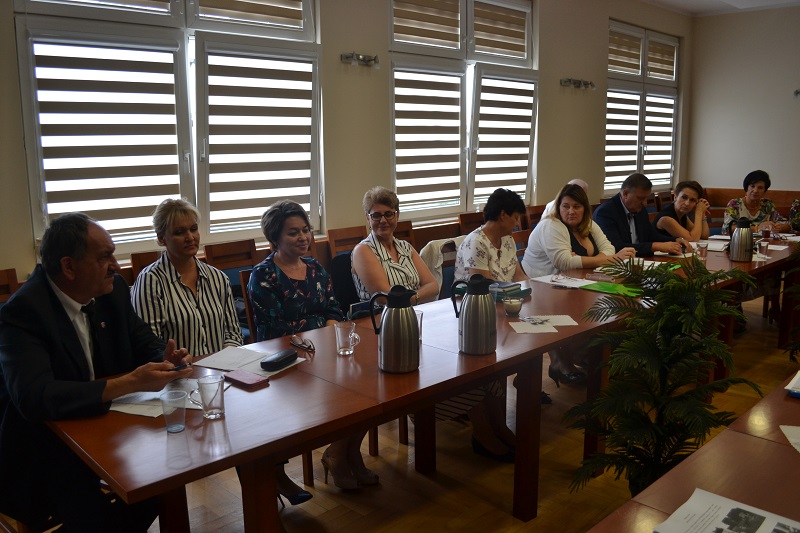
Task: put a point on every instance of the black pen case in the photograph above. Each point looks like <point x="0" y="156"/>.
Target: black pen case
<point x="279" y="360"/>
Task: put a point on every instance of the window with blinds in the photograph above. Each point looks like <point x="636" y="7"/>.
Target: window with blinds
<point x="435" y="23"/>
<point x="107" y="118"/>
<point x="461" y="129"/>
<point x="115" y="123"/>
<point x="641" y="106"/>
<point x="428" y="136"/>
<point x="261" y="126"/>
<point x="504" y="136"/>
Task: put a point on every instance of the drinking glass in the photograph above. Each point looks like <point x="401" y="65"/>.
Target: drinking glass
<point x="212" y="396"/>
<point x="346" y="337"/>
<point x="174" y="405"/>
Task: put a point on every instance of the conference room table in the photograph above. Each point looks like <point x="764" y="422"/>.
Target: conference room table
<point x="328" y="397"/>
<point x="323" y="399"/>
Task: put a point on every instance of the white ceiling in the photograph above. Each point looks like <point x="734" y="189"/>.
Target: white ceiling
<point x="716" y="7"/>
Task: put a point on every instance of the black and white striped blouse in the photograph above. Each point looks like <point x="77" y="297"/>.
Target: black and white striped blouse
<point x="203" y="324"/>
<point x="400" y="272"/>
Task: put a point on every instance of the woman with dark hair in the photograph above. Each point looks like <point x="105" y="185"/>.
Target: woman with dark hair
<point x="490" y="250"/>
<point x="568" y="239"/>
<point x="685" y="217"/>
<point x="753" y="206"/>
<point x="291" y="293"/>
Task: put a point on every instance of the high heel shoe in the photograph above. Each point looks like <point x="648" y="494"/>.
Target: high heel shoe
<point x="570" y="378"/>
<point x="480" y="449"/>
<point x="295" y="499"/>
<point x="363" y="475"/>
<point x="340" y="471"/>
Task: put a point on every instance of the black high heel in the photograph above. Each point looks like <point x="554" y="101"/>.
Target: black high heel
<point x="296" y="498"/>
<point x="570" y="378"/>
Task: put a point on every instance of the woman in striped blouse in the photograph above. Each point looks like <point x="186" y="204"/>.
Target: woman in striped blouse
<point x="381" y="261"/>
<point x="180" y="297"/>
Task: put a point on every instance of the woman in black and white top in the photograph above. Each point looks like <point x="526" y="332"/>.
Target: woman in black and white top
<point x="180" y="297"/>
<point x="381" y="261"/>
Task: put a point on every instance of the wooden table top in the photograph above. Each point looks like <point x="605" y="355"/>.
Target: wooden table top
<point x="765" y="418"/>
<point x="139" y="459"/>
<point x="734" y="465"/>
<point x="632" y="517"/>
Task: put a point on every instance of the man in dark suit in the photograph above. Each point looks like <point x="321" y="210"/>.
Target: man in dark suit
<point x="625" y="222"/>
<point x="67" y="327"/>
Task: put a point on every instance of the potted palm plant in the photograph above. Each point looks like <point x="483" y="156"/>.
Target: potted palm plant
<point x="656" y="408"/>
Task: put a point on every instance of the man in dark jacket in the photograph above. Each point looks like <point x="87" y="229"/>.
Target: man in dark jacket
<point x="63" y="333"/>
<point x="626" y="224"/>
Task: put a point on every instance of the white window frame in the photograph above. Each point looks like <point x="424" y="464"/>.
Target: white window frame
<point x="258" y="48"/>
<point x="644" y="85"/>
<point x="60" y="30"/>
<point x="145" y="29"/>
<point x="57" y="8"/>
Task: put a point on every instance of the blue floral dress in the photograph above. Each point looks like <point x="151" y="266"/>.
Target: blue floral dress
<point x="284" y="306"/>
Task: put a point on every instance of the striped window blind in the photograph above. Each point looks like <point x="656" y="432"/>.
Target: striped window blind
<point x="659" y="139"/>
<point x="434" y="23"/>
<point x="161" y="6"/>
<point x="260" y="133"/>
<point x="108" y="131"/>
<point x="500" y="31"/>
<point x="661" y="60"/>
<point x="624" y="53"/>
<point x="641" y="105"/>
<point x="622" y="137"/>
<point x="279" y="13"/>
<point x="428" y="136"/>
<point x="504" y="136"/>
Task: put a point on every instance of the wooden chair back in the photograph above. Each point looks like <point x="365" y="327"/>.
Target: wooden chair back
<point x="233" y="254"/>
<point x="469" y="222"/>
<point x="405" y="232"/>
<point x="521" y="240"/>
<point x="663" y="199"/>
<point x="8" y="283"/>
<point x="715" y="220"/>
<point x="139" y="260"/>
<point x="344" y="288"/>
<point x="345" y="239"/>
<point x="244" y="279"/>
<point x="533" y="214"/>
<point x="449" y="251"/>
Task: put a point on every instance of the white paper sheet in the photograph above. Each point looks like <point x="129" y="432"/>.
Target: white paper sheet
<point x="524" y="327"/>
<point x="566" y="281"/>
<point x="716" y="246"/>
<point x="705" y="512"/>
<point x="792" y="434"/>
<point x="720" y="237"/>
<point x="231" y="358"/>
<point x="553" y="320"/>
<point x="149" y="403"/>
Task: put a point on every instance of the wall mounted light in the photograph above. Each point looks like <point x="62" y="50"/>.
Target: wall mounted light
<point x="354" y="58"/>
<point x="577" y="84"/>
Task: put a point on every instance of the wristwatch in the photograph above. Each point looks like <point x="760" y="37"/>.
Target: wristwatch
<point x="416" y="299"/>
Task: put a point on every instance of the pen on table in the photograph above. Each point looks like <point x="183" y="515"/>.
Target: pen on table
<point x="564" y="287"/>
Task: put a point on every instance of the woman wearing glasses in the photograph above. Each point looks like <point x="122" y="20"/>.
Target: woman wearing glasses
<point x="381" y="261"/>
<point x="568" y="239"/>
<point x="291" y="293"/>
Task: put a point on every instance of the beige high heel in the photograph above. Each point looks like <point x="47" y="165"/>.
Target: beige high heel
<point x="363" y="475"/>
<point x="340" y="471"/>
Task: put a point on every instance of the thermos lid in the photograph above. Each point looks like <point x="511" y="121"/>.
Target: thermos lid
<point x="478" y="284"/>
<point x="399" y="296"/>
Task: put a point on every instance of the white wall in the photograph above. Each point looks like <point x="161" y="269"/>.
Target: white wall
<point x="744" y="116"/>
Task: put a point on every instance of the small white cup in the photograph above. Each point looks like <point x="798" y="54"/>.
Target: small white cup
<point x="174" y="405"/>
<point x="212" y="396"/>
<point x="346" y="337"/>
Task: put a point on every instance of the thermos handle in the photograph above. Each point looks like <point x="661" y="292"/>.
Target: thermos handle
<point x="456" y="283"/>
<point x="372" y="308"/>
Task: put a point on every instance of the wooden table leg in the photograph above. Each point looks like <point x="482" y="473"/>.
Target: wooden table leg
<point x="790" y="314"/>
<point x="372" y="438"/>
<point x="173" y="512"/>
<point x="526" y="467"/>
<point x="596" y="379"/>
<point x="259" y="496"/>
<point x="425" y="441"/>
